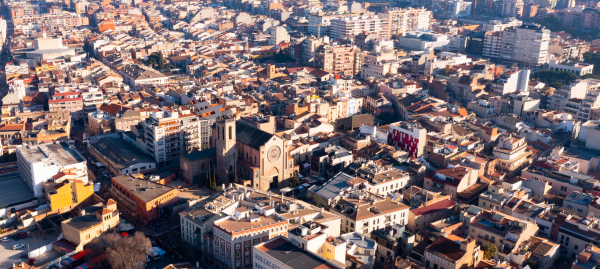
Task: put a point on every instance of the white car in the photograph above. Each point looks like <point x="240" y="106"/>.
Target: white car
<point x="4" y="239"/>
<point x="18" y="246"/>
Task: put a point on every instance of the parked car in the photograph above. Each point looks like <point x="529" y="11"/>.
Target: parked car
<point x="28" y="234"/>
<point x="16" y="237"/>
<point x="31" y="261"/>
<point x="4" y="239"/>
<point x="18" y="246"/>
<point x="24" y="256"/>
<point x="23" y="235"/>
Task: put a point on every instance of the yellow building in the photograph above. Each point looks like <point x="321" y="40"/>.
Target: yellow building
<point x="91" y="223"/>
<point x="66" y="190"/>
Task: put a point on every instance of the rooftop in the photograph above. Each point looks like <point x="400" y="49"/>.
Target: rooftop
<point x="61" y="153"/>
<point x="143" y="189"/>
<point x="120" y="153"/>
<point x="287" y="253"/>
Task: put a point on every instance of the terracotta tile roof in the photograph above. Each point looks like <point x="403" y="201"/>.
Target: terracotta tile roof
<point x="438" y="206"/>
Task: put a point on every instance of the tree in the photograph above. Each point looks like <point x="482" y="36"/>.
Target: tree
<point x="161" y="61"/>
<point x="490" y="252"/>
<point x="556" y="85"/>
<point x="92" y="129"/>
<point x="129" y="252"/>
<point x="592" y="58"/>
<point x="294" y="181"/>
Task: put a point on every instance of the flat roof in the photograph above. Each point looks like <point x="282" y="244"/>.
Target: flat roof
<point x="144" y="189"/>
<point x="14" y="191"/>
<point x="119" y="152"/>
<point x="59" y="152"/>
<point x="287" y="253"/>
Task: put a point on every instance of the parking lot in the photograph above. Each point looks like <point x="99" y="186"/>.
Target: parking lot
<point x="8" y="256"/>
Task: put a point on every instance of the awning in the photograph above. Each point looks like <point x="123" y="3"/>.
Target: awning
<point x="84" y="266"/>
<point x="75" y="257"/>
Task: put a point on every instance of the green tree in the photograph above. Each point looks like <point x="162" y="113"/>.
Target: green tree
<point x="490" y="252"/>
<point x="592" y="58"/>
<point x="294" y="181"/>
<point x="586" y="76"/>
<point x="556" y="85"/>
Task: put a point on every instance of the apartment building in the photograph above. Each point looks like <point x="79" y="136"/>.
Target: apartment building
<point x="141" y="196"/>
<point x="392" y="241"/>
<point x="329" y="161"/>
<point x="91" y="223"/>
<point x="339" y="59"/>
<point x="452" y="252"/>
<point x="365" y="213"/>
<point x="511" y="153"/>
<point x="348" y="27"/>
<point x="234" y="236"/>
<point x="170" y="133"/>
<point x="511" y="81"/>
<point x="92" y="99"/>
<point x="401" y="21"/>
<point x="38" y="164"/>
<point x="383" y="180"/>
<point x="317" y="239"/>
<point x="575" y="234"/>
<point x="451" y="181"/>
<point x="281" y="253"/>
<point x="509" y="234"/>
<point x="409" y="136"/>
<point x="70" y="101"/>
<point x="319" y="23"/>
<point x="527" y="44"/>
<point x="579" y="69"/>
<point x="441" y="207"/>
<point x="66" y="190"/>
<point x="135" y="76"/>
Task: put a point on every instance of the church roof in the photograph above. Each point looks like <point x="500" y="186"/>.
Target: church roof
<point x="250" y="136"/>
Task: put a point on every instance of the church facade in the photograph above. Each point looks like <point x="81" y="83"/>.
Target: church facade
<point x="259" y="157"/>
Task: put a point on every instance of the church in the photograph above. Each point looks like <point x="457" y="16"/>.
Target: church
<point x="259" y="157"/>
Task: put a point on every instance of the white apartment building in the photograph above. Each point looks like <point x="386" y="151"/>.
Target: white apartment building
<point x="170" y="133"/>
<point x="499" y="26"/>
<point x="282" y="253"/>
<point x="579" y="69"/>
<point x="379" y="69"/>
<point x="319" y="24"/>
<point x="349" y="27"/>
<point x="92" y="99"/>
<point x="401" y="21"/>
<point x="278" y="34"/>
<point x="39" y="163"/>
<point x="436" y="65"/>
<point x="409" y="136"/>
<point x="383" y="180"/>
<point x="531" y="44"/>
<point x="511" y="81"/>
<point x="2" y="31"/>
<point x="453" y="8"/>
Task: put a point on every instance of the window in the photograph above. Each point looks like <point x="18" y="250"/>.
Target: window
<point x="427" y="263"/>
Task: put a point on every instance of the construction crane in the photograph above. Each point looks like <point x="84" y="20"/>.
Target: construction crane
<point x="318" y="25"/>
